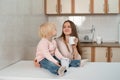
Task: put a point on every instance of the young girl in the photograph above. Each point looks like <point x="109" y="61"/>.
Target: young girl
<point x="47" y="54"/>
<point x="73" y="52"/>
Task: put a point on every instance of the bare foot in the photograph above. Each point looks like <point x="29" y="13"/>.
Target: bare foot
<point x="61" y="70"/>
<point x="83" y="62"/>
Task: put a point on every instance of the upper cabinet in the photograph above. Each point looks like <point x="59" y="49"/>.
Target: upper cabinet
<point x="51" y="6"/>
<point x="58" y="6"/>
<point x="113" y="6"/>
<point x="106" y="6"/>
<point x="66" y="6"/>
<point x="99" y="6"/>
<point x="82" y="6"/>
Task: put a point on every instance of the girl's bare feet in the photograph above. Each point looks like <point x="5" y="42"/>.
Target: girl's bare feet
<point x="61" y="70"/>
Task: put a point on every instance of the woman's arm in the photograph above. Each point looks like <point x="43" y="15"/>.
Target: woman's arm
<point x="76" y="54"/>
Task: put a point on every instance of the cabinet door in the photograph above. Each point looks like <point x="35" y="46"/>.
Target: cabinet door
<point x="51" y="6"/>
<point x="65" y="6"/>
<point x="82" y="6"/>
<point x="115" y="54"/>
<point x="113" y="6"/>
<point x="101" y="54"/>
<point x="86" y="53"/>
<point x="99" y="6"/>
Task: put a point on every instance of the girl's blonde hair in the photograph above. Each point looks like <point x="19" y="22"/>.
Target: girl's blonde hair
<point x="45" y="29"/>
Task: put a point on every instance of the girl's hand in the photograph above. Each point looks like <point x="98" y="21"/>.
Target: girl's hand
<point x="36" y="63"/>
<point x="58" y="64"/>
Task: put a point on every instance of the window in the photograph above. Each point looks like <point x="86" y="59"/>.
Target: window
<point x="78" y="20"/>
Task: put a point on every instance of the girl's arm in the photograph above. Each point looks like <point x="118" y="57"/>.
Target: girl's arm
<point x="57" y="52"/>
<point x="44" y="50"/>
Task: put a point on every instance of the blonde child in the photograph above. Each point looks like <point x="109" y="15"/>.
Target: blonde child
<point x="47" y="54"/>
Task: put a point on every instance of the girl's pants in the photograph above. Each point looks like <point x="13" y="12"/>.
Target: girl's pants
<point x="53" y="68"/>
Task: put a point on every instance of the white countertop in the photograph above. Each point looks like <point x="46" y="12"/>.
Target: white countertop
<point x="91" y="71"/>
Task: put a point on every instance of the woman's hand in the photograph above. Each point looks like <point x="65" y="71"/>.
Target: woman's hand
<point x="76" y="41"/>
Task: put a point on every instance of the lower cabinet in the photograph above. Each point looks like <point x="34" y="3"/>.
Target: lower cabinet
<point x="101" y="54"/>
<point x="86" y="53"/>
<point x="115" y="54"/>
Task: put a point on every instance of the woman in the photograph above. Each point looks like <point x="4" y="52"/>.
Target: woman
<point x="73" y="52"/>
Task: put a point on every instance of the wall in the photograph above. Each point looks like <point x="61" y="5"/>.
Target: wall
<point x="106" y="26"/>
<point x="19" y="22"/>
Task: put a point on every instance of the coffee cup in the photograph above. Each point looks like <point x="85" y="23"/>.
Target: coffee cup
<point x="99" y="40"/>
<point x="71" y="40"/>
<point x="65" y="62"/>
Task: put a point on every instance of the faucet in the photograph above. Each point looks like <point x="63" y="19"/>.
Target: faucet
<point x="93" y="29"/>
<point x="93" y="32"/>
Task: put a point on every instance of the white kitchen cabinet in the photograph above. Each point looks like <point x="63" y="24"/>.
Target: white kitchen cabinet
<point x="58" y="6"/>
<point x="65" y="6"/>
<point x="86" y="53"/>
<point x="99" y="6"/>
<point x="115" y="54"/>
<point x="51" y="6"/>
<point x="113" y="6"/>
<point x="101" y="54"/>
<point x="82" y="6"/>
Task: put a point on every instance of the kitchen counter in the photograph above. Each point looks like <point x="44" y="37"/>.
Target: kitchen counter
<point x="25" y="70"/>
<point x="104" y="44"/>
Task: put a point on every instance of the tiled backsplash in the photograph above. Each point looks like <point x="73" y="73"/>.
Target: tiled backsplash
<point x="106" y="26"/>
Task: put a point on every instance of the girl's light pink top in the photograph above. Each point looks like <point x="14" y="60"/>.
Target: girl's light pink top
<point x="47" y="49"/>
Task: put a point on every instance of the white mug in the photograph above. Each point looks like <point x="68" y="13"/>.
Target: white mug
<point x="99" y="40"/>
<point x="65" y="62"/>
<point x="71" y="40"/>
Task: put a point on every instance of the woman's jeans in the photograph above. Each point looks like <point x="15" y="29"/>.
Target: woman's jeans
<point x="74" y="63"/>
<point x="53" y="68"/>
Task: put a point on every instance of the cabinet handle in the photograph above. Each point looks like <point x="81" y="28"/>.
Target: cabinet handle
<point x="105" y="8"/>
<point x="111" y="54"/>
<point x="106" y="53"/>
